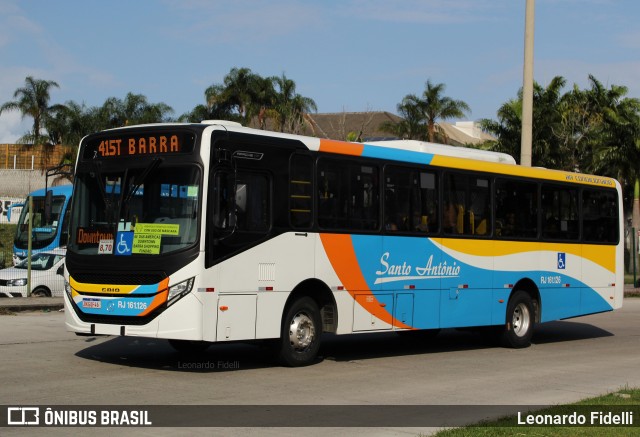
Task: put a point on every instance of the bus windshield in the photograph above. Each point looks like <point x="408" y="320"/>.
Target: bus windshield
<point x="43" y="231"/>
<point x="148" y="210"/>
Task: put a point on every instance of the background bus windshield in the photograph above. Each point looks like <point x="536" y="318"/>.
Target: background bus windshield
<point x="44" y="231"/>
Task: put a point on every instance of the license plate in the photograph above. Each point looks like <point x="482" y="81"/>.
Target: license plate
<point x="91" y="303"/>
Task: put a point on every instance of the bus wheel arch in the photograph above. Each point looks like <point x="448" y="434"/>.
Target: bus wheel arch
<point x="322" y="295"/>
<point x="528" y="286"/>
<point x="306" y="312"/>
<point x="521" y="315"/>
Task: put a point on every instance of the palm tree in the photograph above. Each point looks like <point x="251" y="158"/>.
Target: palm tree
<point x="290" y="106"/>
<point x="412" y="126"/>
<point x="423" y="112"/>
<point x="548" y="150"/>
<point x="242" y="96"/>
<point x="436" y="106"/>
<point x="70" y="122"/>
<point x="32" y="100"/>
<point x="508" y="127"/>
<point x="134" y="109"/>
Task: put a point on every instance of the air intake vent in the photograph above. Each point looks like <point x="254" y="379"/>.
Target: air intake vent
<point x="120" y="278"/>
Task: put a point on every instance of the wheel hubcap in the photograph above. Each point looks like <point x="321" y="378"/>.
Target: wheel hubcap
<point x="301" y="331"/>
<point x="521" y="320"/>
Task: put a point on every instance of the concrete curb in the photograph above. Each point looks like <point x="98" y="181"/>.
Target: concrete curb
<point x="20" y="304"/>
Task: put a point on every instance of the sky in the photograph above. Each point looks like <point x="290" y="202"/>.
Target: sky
<point x="347" y="55"/>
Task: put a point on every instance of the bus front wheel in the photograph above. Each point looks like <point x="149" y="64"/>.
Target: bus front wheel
<point x="520" y="321"/>
<point x="301" y="330"/>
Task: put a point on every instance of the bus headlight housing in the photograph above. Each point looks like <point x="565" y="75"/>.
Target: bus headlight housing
<point x="176" y="292"/>
<point x="20" y="282"/>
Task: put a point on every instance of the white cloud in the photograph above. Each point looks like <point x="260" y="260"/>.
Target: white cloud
<point x="12" y="127"/>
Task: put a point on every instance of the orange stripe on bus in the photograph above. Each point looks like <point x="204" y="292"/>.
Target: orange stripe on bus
<point x="342" y="256"/>
<point x="160" y="298"/>
<point x="342" y="147"/>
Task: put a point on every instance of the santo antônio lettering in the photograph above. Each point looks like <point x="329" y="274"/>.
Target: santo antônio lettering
<point x="143" y="145"/>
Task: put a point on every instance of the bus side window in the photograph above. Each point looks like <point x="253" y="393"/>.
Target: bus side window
<point x="516" y="209"/>
<point x="560" y="212"/>
<point x="252" y="202"/>
<point x="599" y="216"/>
<point x="467" y="205"/>
<point x="301" y="191"/>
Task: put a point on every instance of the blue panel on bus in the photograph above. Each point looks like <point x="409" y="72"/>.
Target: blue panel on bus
<point x="591" y="302"/>
<point x="449" y="287"/>
<point x="396" y="154"/>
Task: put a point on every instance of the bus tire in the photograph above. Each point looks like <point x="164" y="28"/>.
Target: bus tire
<point x="189" y="346"/>
<point x="301" y="331"/>
<point x="520" y="321"/>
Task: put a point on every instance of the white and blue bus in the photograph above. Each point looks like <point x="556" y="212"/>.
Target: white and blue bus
<point x="48" y="231"/>
<point x="239" y="234"/>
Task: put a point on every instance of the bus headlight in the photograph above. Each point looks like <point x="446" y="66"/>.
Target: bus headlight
<point x="17" y="282"/>
<point x="179" y="290"/>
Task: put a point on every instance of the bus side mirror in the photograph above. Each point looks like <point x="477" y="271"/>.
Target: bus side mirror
<point x="48" y="203"/>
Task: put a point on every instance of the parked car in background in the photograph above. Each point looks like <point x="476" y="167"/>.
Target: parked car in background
<point x="47" y="276"/>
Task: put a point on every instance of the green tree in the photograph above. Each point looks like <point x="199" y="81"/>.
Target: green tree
<point x="289" y="106"/>
<point x="133" y="109"/>
<point x="32" y="100"/>
<point x="613" y="139"/>
<point x="241" y="96"/>
<point x="70" y="122"/>
<point x="435" y="106"/>
<point x="587" y="130"/>
<point x="423" y="112"/>
<point x="247" y="97"/>
<point x="507" y="129"/>
<point x="547" y="150"/>
<point x="412" y="125"/>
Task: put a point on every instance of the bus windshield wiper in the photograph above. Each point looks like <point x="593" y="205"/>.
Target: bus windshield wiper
<point x="136" y="183"/>
<point x="140" y="179"/>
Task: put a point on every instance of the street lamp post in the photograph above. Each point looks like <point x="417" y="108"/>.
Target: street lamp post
<point x="527" y="87"/>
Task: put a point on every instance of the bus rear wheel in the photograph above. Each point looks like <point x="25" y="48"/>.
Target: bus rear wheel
<point x="520" y="321"/>
<point x="301" y="330"/>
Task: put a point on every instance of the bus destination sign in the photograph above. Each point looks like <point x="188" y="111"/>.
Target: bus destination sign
<point x="151" y="144"/>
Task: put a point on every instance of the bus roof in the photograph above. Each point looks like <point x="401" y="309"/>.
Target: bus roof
<point x="446" y="150"/>
<point x="57" y="190"/>
<point x="411" y="151"/>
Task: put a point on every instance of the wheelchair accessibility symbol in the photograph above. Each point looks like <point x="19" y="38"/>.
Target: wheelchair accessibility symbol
<point x="562" y="258"/>
<point x="124" y="243"/>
